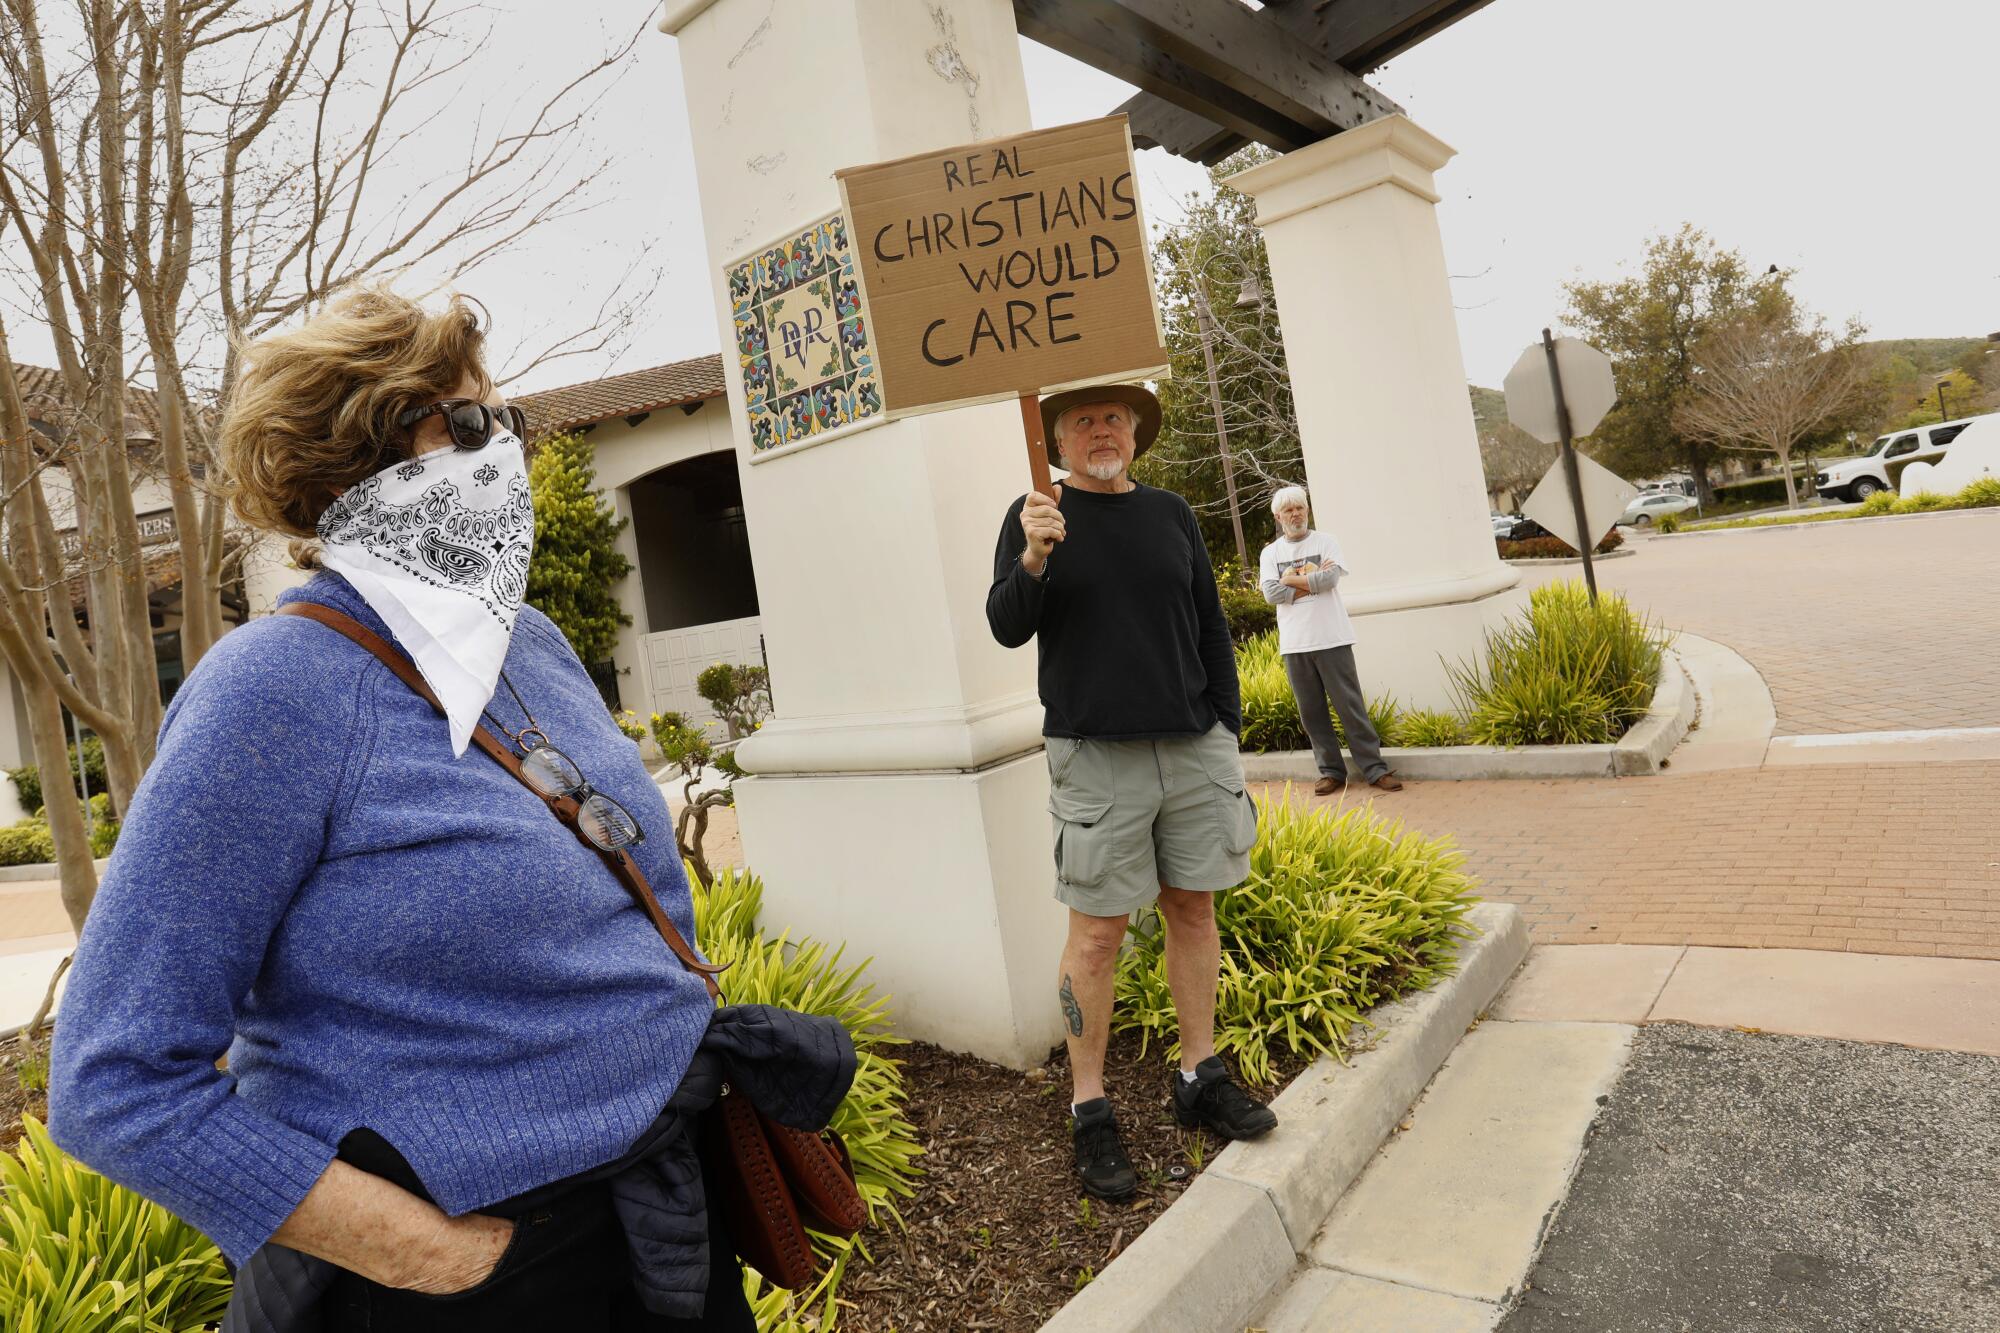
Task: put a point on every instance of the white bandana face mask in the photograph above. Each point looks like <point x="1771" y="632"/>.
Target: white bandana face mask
<point x="439" y="547"/>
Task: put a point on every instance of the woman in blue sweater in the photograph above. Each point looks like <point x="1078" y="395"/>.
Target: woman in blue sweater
<point x="453" y="1040"/>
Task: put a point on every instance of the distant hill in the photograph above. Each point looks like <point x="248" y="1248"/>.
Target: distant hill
<point x="1489" y="406"/>
<point x="1931" y="356"/>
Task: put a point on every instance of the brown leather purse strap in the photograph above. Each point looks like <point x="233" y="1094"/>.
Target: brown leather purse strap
<point x="563" y="807"/>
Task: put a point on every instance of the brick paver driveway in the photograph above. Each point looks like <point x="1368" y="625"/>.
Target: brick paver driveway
<point x="1872" y="859"/>
<point x="1856" y="626"/>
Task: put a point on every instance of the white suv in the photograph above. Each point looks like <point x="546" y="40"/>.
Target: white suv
<point x="1881" y="468"/>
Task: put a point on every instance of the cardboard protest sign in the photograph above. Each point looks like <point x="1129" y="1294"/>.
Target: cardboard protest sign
<point x="1005" y="267"/>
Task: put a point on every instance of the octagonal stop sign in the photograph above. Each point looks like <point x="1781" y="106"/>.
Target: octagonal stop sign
<point x="1587" y="384"/>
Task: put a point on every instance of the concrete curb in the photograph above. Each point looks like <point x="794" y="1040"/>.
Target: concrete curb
<point x="1640" y="752"/>
<point x="1618" y="554"/>
<point x="1228" y="1245"/>
<point x="41" y="870"/>
<point x="1793" y="527"/>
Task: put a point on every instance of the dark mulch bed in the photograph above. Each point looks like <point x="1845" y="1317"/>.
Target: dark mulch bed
<point x="15" y="1099"/>
<point x="999" y="1233"/>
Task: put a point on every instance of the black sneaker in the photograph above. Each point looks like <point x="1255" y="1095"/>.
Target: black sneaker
<point x="1100" y="1155"/>
<point x="1214" y="1100"/>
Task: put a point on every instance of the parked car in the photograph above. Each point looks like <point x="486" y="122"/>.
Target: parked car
<point x="1526" y="529"/>
<point x="1648" y="507"/>
<point x="1975" y="455"/>
<point x="1503" y="526"/>
<point x="1881" y="468"/>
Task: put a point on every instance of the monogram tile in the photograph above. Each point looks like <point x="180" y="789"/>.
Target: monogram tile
<point x="802" y="337"/>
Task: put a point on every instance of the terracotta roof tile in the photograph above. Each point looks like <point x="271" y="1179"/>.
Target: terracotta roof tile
<point x="40" y="385"/>
<point x="628" y="395"/>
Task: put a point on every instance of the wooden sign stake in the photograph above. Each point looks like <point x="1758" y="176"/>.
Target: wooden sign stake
<point x="1038" y="448"/>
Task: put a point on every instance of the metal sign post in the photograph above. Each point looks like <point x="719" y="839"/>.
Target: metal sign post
<point x="1569" y="466"/>
<point x="1555" y="392"/>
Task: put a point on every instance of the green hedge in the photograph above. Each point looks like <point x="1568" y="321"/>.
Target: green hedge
<point x="30" y="843"/>
<point x="1249" y="614"/>
<point x="1763" y="490"/>
<point x="28" y="779"/>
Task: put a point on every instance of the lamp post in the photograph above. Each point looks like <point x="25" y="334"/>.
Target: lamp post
<point x="1208" y="334"/>
<point x="1942" y="414"/>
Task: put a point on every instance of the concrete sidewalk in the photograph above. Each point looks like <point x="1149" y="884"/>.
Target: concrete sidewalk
<point x="1461" y="1218"/>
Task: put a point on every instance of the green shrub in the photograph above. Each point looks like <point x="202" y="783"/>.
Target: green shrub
<point x="30" y="842"/>
<point x="1248" y="613"/>
<point x="1882" y="502"/>
<point x="1981" y="494"/>
<point x="1923" y="502"/>
<point x="628" y="722"/>
<point x="79" y="1254"/>
<point x="740" y="695"/>
<point x="1569" y="673"/>
<point x="28" y="778"/>
<point x="27" y="843"/>
<point x="576" y="563"/>
<point x="1341" y="912"/>
<point x="802" y="975"/>
<point x="1270" y="710"/>
<point x="1425" y="728"/>
<point x="1668" y="522"/>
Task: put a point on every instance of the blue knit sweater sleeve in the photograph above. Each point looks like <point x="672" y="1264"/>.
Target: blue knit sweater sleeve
<point x="229" y="819"/>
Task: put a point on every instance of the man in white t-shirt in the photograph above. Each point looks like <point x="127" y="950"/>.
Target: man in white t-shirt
<point x="1300" y="575"/>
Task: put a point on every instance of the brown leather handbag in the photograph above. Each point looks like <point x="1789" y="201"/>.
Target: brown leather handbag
<point x="775" y="1181"/>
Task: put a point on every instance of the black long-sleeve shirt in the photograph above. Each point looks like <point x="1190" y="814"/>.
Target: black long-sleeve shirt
<point x="1129" y="628"/>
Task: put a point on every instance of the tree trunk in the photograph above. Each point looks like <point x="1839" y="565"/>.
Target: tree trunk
<point x="65" y="813"/>
<point x="1791" y="487"/>
<point x="694" y="813"/>
<point x="1703" y="492"/>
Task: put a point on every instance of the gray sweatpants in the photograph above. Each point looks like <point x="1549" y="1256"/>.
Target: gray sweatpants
<point x="1330" y="673"/>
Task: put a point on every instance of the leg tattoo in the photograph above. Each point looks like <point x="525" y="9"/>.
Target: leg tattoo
<point x="1072" y="1011"/>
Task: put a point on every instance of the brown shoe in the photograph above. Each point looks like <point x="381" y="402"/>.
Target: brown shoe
<point x="1388" y="782"/>
<point x="1328" y="786"/>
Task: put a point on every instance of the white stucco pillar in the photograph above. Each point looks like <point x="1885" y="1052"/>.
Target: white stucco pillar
<point x="1391" y="452"/>
<point x="899" y="803"/>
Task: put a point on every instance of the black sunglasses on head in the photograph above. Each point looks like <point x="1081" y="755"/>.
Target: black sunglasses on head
<point x="469" y="422"/>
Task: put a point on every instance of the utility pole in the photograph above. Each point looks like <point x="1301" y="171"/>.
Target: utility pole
<point x="1208" y="333"/>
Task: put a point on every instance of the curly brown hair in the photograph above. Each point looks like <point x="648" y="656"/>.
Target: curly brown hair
<point x="314" y="408"/>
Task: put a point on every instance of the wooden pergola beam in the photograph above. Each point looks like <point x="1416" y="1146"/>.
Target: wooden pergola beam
<point x="1355" y="36"/>
<point x="1104" y="34"/>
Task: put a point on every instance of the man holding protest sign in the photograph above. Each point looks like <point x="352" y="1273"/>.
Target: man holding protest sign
<point x="1138" y="683"/>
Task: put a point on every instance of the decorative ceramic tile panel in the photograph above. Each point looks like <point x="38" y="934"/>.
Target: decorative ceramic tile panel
<point x="807" y="366"/>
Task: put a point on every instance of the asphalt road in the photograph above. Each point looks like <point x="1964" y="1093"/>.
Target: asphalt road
<point x="1744" y="1181"/>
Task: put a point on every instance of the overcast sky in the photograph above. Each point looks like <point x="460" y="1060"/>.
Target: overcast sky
<point x="1825" y="137"/>
<point x="1854" y="144"/>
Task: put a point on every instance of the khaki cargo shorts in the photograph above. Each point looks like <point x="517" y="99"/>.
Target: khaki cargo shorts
<point x="1132" y="815"/>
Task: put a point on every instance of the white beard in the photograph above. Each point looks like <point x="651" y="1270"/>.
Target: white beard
<point x="1293" y="534"/>
<point x="1104" y="471"/>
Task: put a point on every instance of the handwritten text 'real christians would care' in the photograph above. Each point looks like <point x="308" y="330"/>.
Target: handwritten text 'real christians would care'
<point x="1037" y="241"/>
